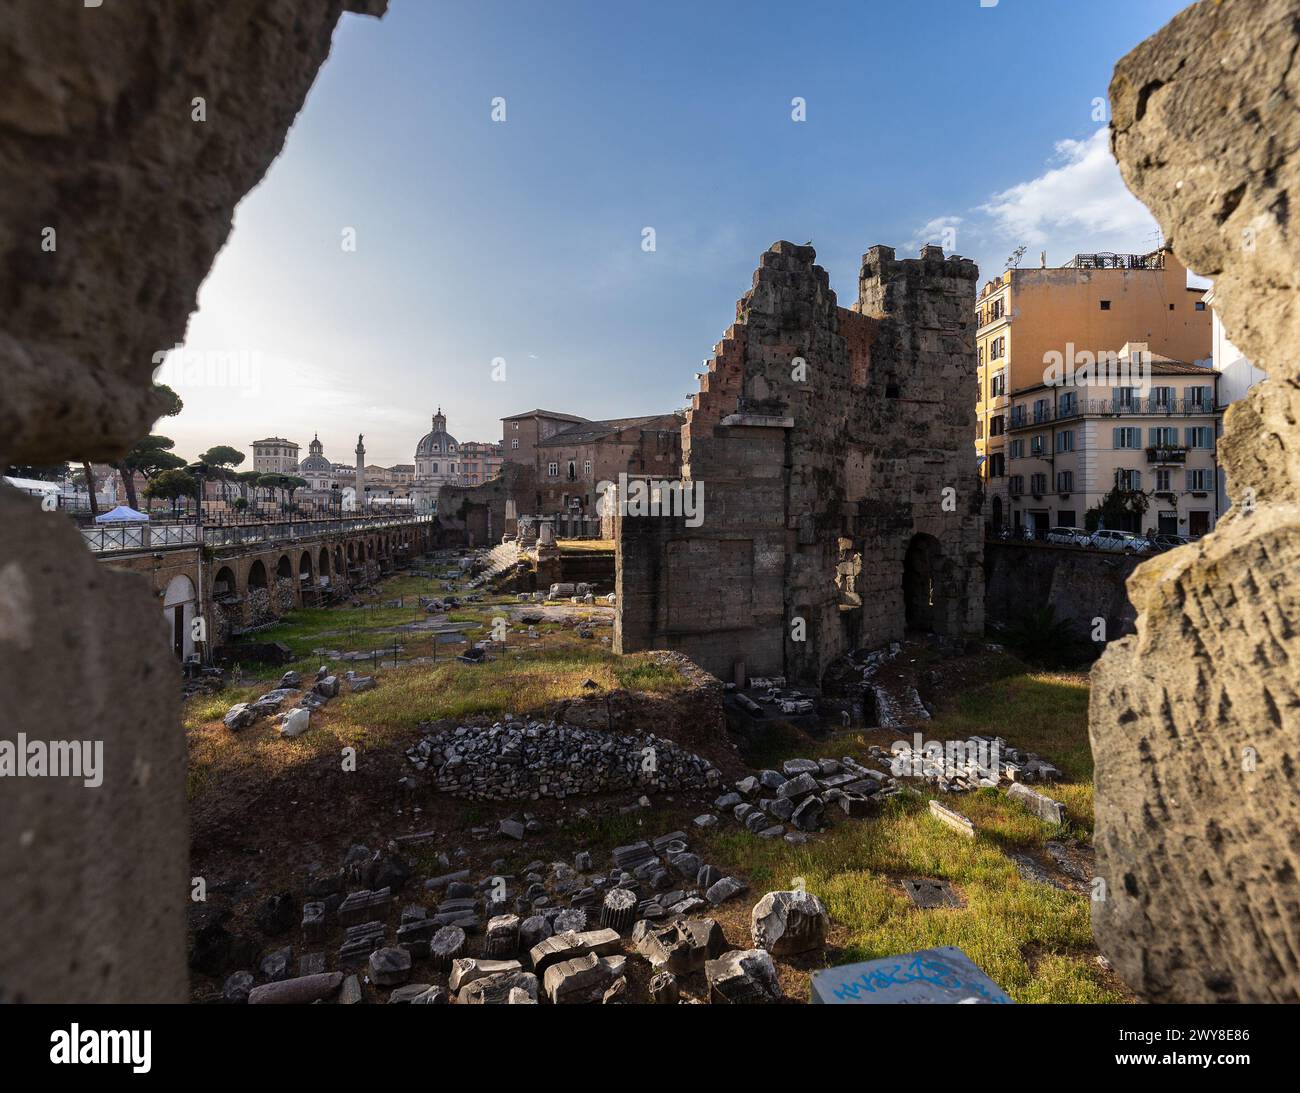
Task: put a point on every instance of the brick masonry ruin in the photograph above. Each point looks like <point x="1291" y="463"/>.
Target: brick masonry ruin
<point x="823" y="485"/>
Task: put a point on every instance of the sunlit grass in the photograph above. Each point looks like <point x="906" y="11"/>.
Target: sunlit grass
<point x="1033" y="939"/>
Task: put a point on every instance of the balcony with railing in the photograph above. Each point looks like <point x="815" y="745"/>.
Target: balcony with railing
<point x="1105" y="407"/>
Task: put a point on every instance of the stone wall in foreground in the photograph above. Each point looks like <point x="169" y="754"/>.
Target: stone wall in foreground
<point x="1195" y="719"/>
<point x="114" y="201"/>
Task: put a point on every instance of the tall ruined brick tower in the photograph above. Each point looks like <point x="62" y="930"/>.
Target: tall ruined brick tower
<point x="836" y="452"/>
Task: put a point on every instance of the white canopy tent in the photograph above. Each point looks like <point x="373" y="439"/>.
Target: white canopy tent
<point x="123" y="514"/>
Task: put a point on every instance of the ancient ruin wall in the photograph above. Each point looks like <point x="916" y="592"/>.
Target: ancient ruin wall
<point x="1195" y="719"/>
<point x="98" y="142"/>
<point x="823" y="438"/>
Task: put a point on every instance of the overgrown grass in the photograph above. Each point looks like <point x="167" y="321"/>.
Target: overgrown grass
<point x="1033" y="939"/>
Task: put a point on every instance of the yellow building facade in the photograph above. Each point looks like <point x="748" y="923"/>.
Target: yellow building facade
<point x="1029" y="319"/>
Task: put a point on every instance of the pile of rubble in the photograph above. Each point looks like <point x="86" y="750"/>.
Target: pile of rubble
<point x="562" y="933"/>
<point x="295" y="720"/>
<point x="801" y="795"/>
<point x="529" y="760"/>
<point x="960" y="766"/>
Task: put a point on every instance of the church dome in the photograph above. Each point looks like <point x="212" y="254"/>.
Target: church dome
<point x="438" y="441"/>
<point x="316" y="463"/>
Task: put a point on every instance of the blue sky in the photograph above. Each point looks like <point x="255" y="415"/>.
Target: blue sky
<point x="479" y="241"/>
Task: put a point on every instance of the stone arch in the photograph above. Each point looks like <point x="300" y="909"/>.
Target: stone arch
<point x="180" y="602"/>
<point x="224" y="582"/>
<point x="323" y="562"/>
<point x="924" y="597"/>
<point x="352" y="554"/>
<point x="257" y="574"/>
<point x="338" y="558"/>
<point x="284" y="567"/>
<point x="305" y="566"/>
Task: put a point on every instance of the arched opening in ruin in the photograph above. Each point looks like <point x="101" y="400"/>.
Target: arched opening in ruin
<point x="284" y="567"/>
<point x="922" y="595"/>
<point x="257" y="575"/>
<point x="352" y="554"/>
<point x="179" y="602"/>
<point x="304" y="566"/>
<point x="338" y="559"/>
<point x="323" y="560"/>
<point x="224" y="583"/>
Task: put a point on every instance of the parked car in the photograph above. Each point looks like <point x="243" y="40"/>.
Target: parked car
<point x="1118" y="542"/>
<point x="1064" y="536"/>
<point x="1167" y="541"/>
<point x="1016" y="535"/>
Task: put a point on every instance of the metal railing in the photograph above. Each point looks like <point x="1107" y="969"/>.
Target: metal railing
<point x="108" y="538"/>
<point x="1138" y="407"/>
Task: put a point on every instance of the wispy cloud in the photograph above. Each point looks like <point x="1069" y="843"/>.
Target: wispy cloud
<point x="1078" y="203"/>
<point x="1084" y="194"/>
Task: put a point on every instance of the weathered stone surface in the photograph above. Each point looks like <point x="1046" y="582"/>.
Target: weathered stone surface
<point x="498" y="989"/>
<point x="296" y="992"/>
<point x="582" y="979"/>
<point x="390" y="967"/>
<point x="83" y="152"/>
<point x="785" y="923"/>
<point x="295" y="722"/>
<point x="722" y="890"/>
<point x="516" y="761"/>
<point x="663" y="989"/>
<point x="467" y="969"/>
<point x="237" y="988"/>
<point x="841" y="460"/>
<point x="1192" y="718"/>
<point x="1046" y="809"/>
<point x="955" y="820"/>
<point x="681" y="947"/>
<point x="742" y="976"/>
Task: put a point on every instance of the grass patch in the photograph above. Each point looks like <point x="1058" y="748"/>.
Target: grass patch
<point x="1033" y="939"/>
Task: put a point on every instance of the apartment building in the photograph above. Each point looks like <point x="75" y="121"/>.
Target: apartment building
<point x="572" y="463"/>
<point x="275" y="455"/>
<point x="1067" y="446"/>
<point x="480" y="461"/>
<point x="1094" y="304"/>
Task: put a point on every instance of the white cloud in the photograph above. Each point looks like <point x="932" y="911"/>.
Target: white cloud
<point x="941" y="230"/>
<point x="1082" y="199"/>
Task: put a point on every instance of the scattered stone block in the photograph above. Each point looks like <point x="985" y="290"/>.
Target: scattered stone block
<point x="501" y="938"/>
<point x="664" y="990"/>
<point x="237" y="988"/>
<point x="467" y="969"/>
<point x="295" y="722"/>
<point x="742" y="977"/>
<point x="296" y="992"/>
<point x="725" y="889"/>
<point x="681" y="947"/>
<point x="580" y="980"/>
<point x="928" y="893"/>
<point x="499" y="988"/>
<point x="786" y="923"/>
<point x="365" y="905"/>
<point x="446" y="946"/>
<point x="1042" y="806"/>
<point x="390" y="967"/>
<point x="955" y="820"/>
<point x="350" y="991"/>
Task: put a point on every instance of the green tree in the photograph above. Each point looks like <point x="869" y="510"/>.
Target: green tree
<point x="1114" y="510"/>
<point x="223" y="459"/>
<point x="172" y="484"/>
<point x="51" y="472"/>
<point x="145" y="457"/>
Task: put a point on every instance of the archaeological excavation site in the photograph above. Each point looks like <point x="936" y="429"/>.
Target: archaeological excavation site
<point x="874" y="663"/>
